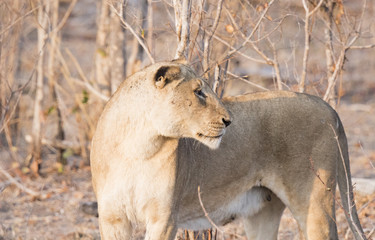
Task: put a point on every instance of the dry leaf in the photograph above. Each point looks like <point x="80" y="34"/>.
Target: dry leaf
<point x="260" y="8"/>
<point x="79" y="195"/>
<point x="229" y="28"/>
<point x="34" y="167"/>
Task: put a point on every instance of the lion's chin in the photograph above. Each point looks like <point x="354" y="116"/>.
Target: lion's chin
<point x="213" y="142"/>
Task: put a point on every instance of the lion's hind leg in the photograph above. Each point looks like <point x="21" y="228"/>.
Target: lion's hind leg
<point x="313" y="206"/>
<point x="264" y="225"/>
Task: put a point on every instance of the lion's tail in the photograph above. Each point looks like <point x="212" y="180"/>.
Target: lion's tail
<point x="345" y="186"/>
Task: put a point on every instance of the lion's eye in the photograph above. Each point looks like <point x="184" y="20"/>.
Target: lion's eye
<point x="200" y="93"/>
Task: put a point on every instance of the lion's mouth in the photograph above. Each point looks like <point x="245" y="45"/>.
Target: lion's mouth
<point x="211" y="137"/>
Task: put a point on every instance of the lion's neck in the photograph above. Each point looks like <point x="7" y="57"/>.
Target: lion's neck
<point x="142" y="142"/>
<point x="131" y="132"/>
<point x="151" y="147"/>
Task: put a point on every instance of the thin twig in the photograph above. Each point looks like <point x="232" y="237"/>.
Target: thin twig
<point x="365" y="205"/>
<point x="4" y="121"/>
<point x="371" y="232"/>
<point x="65" y="71"/>
<point x="366" y="154"/>
<point x="247" y="81"/>
<point x="264" y="36"/>
<point x="238" y="52"/>
<point x="310" y="13"/>
<point x="19" y="19"/>
<point x="85" y="81"/>
<point x="19" y="185"/>
<point x="253" y="31"/>
<point x="273" y="62"/>
<point x="332" y="79"/>
<point x="208" y="38"/>
<point x="276" y="65"/>
<point x="363" y="47"/>
<point x="128" y="26"/>
<point x="205" y="212"/>
<point x="92" y="89"/>
<point x="65" y="17"/>
<point x="210" y="220"/>
<point x="348" y="44"/>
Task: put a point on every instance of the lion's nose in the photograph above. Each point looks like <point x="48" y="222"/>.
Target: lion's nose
<point x="226" y="122"/>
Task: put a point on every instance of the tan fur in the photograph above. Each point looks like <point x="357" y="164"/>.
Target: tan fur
<point x="147" y="159"/>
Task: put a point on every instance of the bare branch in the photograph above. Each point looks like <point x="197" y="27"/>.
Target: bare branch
<point x="85" y="81"/>
<point x="275" y="64"/>
<point x="253" y="31"/>
<point x="340" y="62"/>
<point x="247" y="81"/>
<point x="19" y="19"/>
<point x="308" y="14"/>
<point x="332" y="79"/>
<point x="269" y="61"/>
<point x="363" y="47"/>
<point x="91" y="88"/>
<point x="238" y="52"/>
<point x="359" y="29"/>
<point x="210" y="220"/>
<point x="208" y="37"/>
<point x="205" y="212"/>
<point x="128" y="26"/>
<point x="66" y="16"/>
<point x="312" y="12"/>
<point x="306" y="51"/>
<point x="19" y="185"/>
<point x="4" y="121"/>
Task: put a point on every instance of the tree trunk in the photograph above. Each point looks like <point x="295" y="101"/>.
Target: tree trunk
<point x="37" y="120"/>
<point x="182" y="9"/>
<point x="110" y="41"/>
<point x="102" y="55"/>
<point x="116" y="49"/>
<point x="328" y="16"/>
<point x="53" y="77"/>
<point x="135" y="59"/>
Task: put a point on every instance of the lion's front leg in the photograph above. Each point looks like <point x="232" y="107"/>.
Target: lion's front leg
<point x="160" y="214"/>
<point x="161" y="230"/>
<point x="114" y="226"/>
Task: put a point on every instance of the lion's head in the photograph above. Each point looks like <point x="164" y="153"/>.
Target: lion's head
<point x="186" y="105"/>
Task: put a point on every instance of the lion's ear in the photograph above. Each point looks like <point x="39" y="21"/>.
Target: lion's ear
<point x="166" y="74"/>
<point x="181" y="60"/>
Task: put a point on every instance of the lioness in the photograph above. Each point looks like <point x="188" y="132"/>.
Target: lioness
<point x="281" y="150"/>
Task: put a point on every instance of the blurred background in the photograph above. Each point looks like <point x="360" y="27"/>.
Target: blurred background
<point x="60" y="61"/>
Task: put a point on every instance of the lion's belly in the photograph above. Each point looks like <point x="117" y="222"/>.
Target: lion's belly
<point x="245" y="204"/>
